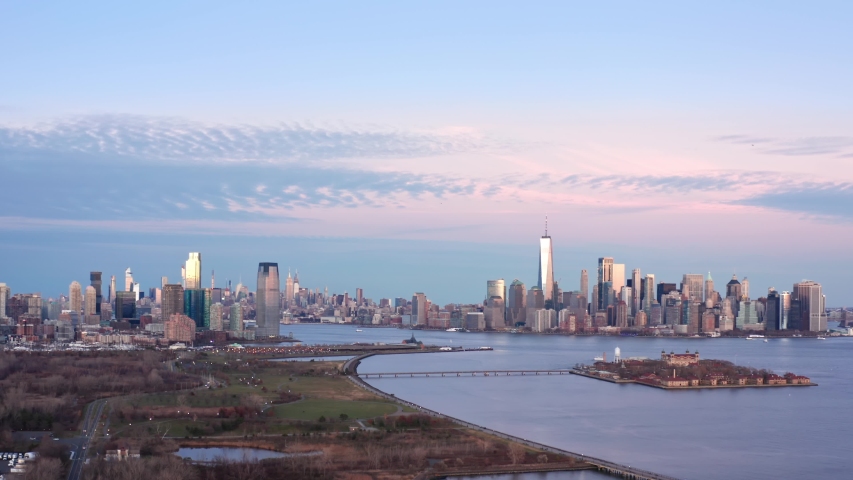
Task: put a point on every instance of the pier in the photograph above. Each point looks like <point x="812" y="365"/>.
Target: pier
<point x="601" y="465"/>
<point x="465" y="373"/>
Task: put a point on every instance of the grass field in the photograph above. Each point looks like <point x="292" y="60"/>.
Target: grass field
<point x="312" y="409"/>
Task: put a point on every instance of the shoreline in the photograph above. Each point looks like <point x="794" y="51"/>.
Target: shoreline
<point x="696" y="387"/>
<point x="350" y="369"/>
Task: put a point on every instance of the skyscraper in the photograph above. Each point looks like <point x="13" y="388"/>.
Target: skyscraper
<point x="637" y="285"/>
<point x="288" y="288"/>
<point x="692" y="285"/>
<point x="584" y="283"/>
<point x="128" y="280"/>
<point x="773" y="311"/>
<point x="95" y="281"/>
<point x="419" y="315"/>
<point x="648" y="294"/>
<point x="91" y="298"/>
<point x="496" y="288"/>
<point x="75" y="297"/>
<point x="744" y="288"/>
<point x="193" y="271"/>
<point x="268" y="300"/>
<point x="618" y="277"/>
<point x="216" y="317"/>
<point x="809" y="294"/>
<point x="709" y="291"/>
<point x="112" y="297"/>
<point x="5" y="294"/>
<point x="546" y="266"/>
<point x="516" y="303"/>
<point x="173" y="300"/>
<point x="605" y="274"/>
<point x="236" y="322"/>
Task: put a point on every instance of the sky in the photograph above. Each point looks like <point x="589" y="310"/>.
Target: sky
<point x="419" y="146"/>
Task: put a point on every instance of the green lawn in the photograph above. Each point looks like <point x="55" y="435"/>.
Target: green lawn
<point x="312" y="409"/>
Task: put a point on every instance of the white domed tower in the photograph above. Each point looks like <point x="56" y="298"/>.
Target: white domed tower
<point x="617" y="357"/>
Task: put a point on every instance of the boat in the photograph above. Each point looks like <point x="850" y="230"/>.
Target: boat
<point x="485" y="348"/>
<point x="821" y="338"/>
<point x="453" y="329"/>
<point x="756" y="336"/>
<point x="598" y="359"/>
<point x="765" y="340"/>
<point x="750" y="338"/>
<point x="358" y="330"/>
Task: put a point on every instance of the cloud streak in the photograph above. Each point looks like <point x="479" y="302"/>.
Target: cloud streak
<point x="174" y="140"/>
<point x="805" y="146"/>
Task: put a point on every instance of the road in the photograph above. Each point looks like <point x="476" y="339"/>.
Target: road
<point x="81" y="446"/>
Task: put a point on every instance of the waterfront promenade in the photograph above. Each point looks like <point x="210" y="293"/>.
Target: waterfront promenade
<point x="350" y="368"/>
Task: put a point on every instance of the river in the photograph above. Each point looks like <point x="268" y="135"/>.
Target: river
<point x="698" y="434"/>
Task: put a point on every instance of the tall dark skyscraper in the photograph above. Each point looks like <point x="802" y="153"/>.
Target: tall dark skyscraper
<point x="605" y="274"/>
<point x="173" y="300"/>
<point x="95" y="279"/>
<point x="268" y="300"/>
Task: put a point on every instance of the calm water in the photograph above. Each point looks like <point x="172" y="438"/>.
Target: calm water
<point x="703" y="434"/>
<point x="227" y="454"/>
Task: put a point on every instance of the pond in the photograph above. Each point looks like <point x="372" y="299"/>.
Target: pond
<point x="331" y="358"/>
<point x="228" y="454"/>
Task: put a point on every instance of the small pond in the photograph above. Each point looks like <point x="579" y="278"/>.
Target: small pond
<point x="342" y="358"/>
<point x="229" y="454"/>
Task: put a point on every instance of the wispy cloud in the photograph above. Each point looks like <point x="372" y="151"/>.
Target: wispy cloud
<point x="160" y="139"/>
<point x="834" y="200"/>
<point x="804" y="146"/>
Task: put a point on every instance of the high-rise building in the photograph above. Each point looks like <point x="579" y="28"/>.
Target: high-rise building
<point x="496" y="288"/>
<point x="216" y="317"/>
<point x="419" y="313"/>
<point x="744" y="288"/>
<point x="494" y="313"/>
<point x="692" y="285"/>
<point x="95" y="281"/>
<point x="785" y="307"/>
<point x="288" y="288"/>
<point x="91" y="299"/>
<point x="75" y="297"/>
<point x="773" y="311"/>
<point x="163" y="282"/>
<point x="648" y="296"/>
<point x="605" y="274"/>
<point x="5" y="294"/>
<point x="809" y="294"/>
<point x="268" y="300"/>
<point x="515" y="304"/>
<point x="173" y="300"/>
<point x="710" y="296"/>
<point x="627" y="296"/>
<point x="535" y="301"/>
<point x="192" y="267"/>
<point x="546" y="266"/>
<point x="125" y="308"/>
<point x="584" y="283"/>
<point x="618" y="277"/>
<point x="359" y="296"/>
<point x="112" y="297"/>
<point x="194" y="306"/>
<point x="128" y="280"/>
<point x="236" y="322"/>
<point x="733" y="289"/>
<point x="637" y="285"/>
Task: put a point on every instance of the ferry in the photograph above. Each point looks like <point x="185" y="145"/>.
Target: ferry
<point x="359" y="330"/>
<point x="456" y="330"/>
<point x="485" y="348"/>
<point x="756" y="336"/>
<point x="821" y="338"/>
<point x="750" y="338"/>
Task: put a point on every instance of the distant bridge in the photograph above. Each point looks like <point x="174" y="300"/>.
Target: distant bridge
<point x="465" y="373"/>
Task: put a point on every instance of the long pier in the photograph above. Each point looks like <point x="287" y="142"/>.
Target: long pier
<point x="465" y="373"/>
<point x="624" y="471"/>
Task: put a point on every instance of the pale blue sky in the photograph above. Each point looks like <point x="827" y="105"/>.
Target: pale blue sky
<point x="678" y="137"/>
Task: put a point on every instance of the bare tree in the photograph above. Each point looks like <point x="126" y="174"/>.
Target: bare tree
<point x="516" y="453"/>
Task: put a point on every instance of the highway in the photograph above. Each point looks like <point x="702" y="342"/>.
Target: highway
<point x="81" y="448"/>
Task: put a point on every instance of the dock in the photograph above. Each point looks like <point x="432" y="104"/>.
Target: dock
<point x="465" y="373"/>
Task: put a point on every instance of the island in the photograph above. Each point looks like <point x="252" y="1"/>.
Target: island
<point x="681" y="371"/>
